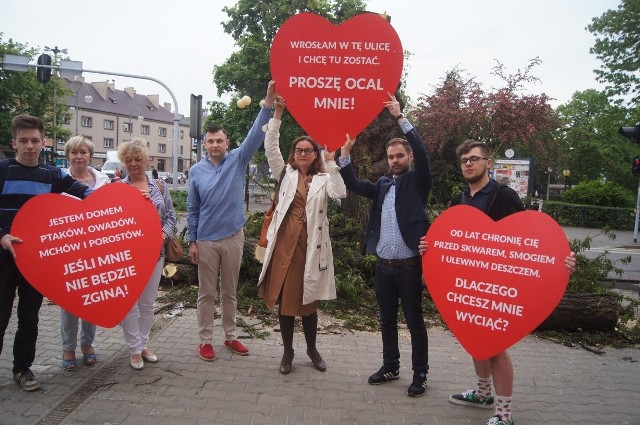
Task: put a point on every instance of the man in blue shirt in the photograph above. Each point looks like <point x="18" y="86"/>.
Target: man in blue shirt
<point x="215" y="223"/>
<point x="397" y="219"/>
<point x="22" y="178"/>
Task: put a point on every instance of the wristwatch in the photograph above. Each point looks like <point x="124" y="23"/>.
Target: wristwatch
<point x="399" y="117"/>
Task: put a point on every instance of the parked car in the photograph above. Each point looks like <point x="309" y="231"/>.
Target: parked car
<point x="167" y="177"/>
<point x="110" y="167"/>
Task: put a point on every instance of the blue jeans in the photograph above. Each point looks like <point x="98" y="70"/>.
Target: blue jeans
<point x="69" y="331"/>
<point x="29" y="302"/>
<point x="403" y="283"/>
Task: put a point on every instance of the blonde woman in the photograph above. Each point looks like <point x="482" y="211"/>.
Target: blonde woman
<point x="136" y="325"/>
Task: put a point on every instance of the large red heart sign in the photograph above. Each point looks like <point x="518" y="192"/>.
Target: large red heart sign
<point x="494" y="282"/>
<point x="92" y="257"/>
<point x="335" y="79"/>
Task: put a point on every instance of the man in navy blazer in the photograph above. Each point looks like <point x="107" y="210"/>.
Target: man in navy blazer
<point x="397" y="220"/>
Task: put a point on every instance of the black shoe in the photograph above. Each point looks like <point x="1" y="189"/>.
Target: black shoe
<point x="419" y="384"/>
<point x="317" y="361"/>
<point x="285" y="364"/>
<point x="26" y="380"/>
<point x="383" y="375"/>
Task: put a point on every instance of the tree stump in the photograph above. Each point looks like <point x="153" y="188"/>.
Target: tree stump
<point x="179" y="273"/>
<point x="584" y="311"/>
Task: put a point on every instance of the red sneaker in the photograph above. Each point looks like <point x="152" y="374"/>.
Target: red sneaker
<point x="237" y="347"/>
<point x="206" y="352"/>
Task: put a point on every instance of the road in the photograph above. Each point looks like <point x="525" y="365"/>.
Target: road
<point x="620" y="247"/>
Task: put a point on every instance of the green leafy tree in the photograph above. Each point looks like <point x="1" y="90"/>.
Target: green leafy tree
<point x="22" y="93"/>
<point x="617" y="45"/>
<point x="592" y="147"/>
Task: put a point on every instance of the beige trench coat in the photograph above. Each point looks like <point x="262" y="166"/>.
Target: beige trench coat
<point x="319" y="279"/>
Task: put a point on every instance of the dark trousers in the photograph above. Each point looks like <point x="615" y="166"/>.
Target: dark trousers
<point x="29" y="302"/>
<point x="404" y="284"/>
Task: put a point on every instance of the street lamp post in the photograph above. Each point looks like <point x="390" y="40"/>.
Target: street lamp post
<point x="242" y="103"/>
<point x="55" y="52"/>
<point x="87" y="98"/>
<point x="549" y="170"/>
<point x="566" y="173"/>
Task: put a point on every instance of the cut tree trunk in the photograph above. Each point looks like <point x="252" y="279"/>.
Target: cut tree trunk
<point x="584" y="311"/>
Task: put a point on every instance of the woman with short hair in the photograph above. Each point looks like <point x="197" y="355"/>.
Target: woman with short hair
<point x="79" y="152"/>
<point x="136" y="325"/>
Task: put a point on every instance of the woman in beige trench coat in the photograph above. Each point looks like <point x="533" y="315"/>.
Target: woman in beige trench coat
<point x="298" y="264"/>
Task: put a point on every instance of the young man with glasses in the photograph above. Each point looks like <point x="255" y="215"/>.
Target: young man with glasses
<point x="397" y="219"/>
<point x="497" y="201"/>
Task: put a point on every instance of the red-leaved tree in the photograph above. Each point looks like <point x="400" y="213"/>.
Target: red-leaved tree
<point x="504" y="118"/>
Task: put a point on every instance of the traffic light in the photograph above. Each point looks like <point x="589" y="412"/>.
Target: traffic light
<point x="44" y="74"/>
<point x="631" y="133"/>
<point x="635" y="166"/>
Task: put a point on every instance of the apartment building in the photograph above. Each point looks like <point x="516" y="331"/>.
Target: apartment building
<point x="109" y="117"/>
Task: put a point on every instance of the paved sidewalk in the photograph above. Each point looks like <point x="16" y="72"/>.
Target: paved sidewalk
<point x="554" y="384"/>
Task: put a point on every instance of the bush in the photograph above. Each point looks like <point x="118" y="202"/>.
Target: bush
<point x="578" y="215"/>
<point x="603" y="194"/>
<point x="179" y="198"/>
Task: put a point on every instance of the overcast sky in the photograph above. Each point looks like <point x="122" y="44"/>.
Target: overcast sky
<point x="179" y="43"/>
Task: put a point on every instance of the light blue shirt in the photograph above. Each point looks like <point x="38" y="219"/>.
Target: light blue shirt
<point x="391" y="246"/>
<point x="215" y="207"/>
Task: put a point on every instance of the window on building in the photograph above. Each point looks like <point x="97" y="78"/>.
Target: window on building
<point x="126" y="127"/>
<point x="108" y="124"/>
<point x="108" y="142"/>
<point x="144" y="129"/>
<point x="162" y="132"/>
<point x="181" y="150"/>
<point x="161" y="165"/>
<point x="182" y="134"/>
<point x="66" y="119"/>
<point x="162" y="148"/>
<point x="87" y="122"/>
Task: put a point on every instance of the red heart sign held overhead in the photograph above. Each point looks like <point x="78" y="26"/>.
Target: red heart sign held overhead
<point x="91" y="257"/>
<point x="335" y="79"/>
<point x="494" y="282"/>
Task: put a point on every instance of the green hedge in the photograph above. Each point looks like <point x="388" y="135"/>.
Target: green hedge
<point x="179" y="198"/>
<point x="590" y="216"/>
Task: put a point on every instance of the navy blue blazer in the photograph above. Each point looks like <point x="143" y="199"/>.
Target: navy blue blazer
<point x="412" y="191"/>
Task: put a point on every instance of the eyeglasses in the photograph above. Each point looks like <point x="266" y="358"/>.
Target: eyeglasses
<point x="474" y="159"/>
<point x="307" y="151"/>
